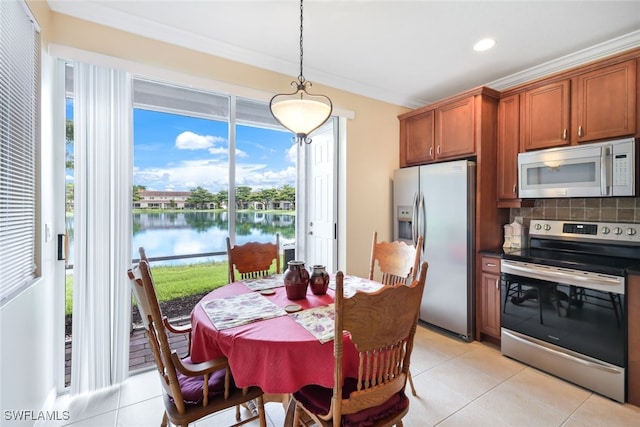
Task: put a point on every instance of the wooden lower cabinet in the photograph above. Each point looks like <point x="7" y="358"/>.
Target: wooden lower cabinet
<point x="633" y="339"/>
<point x="489" y="316"/>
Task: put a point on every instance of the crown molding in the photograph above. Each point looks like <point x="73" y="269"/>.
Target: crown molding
<point x="593" y="53"/>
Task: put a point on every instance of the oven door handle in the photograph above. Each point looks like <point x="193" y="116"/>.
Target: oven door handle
<point x="551" y="275"/>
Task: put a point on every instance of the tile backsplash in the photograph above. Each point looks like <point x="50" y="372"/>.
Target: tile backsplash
<point x="612" y="209"/>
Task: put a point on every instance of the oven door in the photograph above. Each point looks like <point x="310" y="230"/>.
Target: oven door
<point x="577" y="310"/>
<point x="568" y="323"/>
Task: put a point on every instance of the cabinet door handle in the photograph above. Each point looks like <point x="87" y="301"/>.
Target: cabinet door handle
<point x="490" y="264"/>
<point x="580" y="131"/>
<point x="497" y="286"/>
<point x="564" y="134"/>
<point x="515" y="189"/>
<point x="438" y="151"/>
<point x="430" y="151"/>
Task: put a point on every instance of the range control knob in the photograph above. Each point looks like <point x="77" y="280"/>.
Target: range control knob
<point x="617" y="231"/>
<point x="537" y="226"/>
<point x="606" y="230"/>
<point x="547" y="227"/>
<point x="631" y="231"/>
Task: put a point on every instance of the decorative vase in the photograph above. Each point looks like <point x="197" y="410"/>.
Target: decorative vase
<point x="319" y="280"/>
<point x="296" y="280"/>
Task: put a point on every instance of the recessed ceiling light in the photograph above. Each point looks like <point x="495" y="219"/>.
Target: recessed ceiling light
<point x="484" y="44"/>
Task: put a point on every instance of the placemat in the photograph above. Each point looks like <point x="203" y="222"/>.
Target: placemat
<point x="352" y="284"/>
<point x="240" y="309"/>
<point x="262" y="283"/>
<point x="319" y="321"/>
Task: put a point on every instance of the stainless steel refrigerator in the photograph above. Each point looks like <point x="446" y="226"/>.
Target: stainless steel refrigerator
<point x="437" y="201"/>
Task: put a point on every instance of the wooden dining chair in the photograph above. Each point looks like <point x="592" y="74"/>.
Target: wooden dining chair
<point x="253" y="259"/>
<point x="397" y="263"/>
<point x="174" y="329"/>
<point x="394" y="262"/>
<point x="191" y="391"/>
<point x="382" y="326"/>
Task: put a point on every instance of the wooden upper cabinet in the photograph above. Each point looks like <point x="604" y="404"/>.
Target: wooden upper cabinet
<point x="417" y="139"/>
<point x="508" y="147"/>
<point x="455" y="129"/>
<point x="589" y="106"/>
<point x="605" y="103"/>
<point x="545" y="116"/>
<point x="452" y="128"/>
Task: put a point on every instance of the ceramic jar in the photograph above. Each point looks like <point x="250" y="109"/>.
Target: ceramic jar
<point x="296" y="280"/>
<point x="319" y="280"/>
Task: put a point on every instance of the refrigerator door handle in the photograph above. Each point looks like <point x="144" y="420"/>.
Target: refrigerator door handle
<point x="422" y="221"/>
<point x="414" y="219"/>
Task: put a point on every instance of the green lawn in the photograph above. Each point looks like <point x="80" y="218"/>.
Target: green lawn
<point x="175" y="282"/>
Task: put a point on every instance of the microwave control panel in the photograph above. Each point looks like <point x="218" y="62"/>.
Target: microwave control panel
<point x="621" y="169"/>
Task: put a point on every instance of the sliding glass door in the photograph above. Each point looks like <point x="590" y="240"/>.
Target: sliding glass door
<point x="207" y="166"/>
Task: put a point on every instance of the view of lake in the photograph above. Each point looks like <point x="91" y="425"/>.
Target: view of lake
<point x="185" y="233"/>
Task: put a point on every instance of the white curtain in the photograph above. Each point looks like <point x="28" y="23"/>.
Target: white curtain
<point x="103" y="152"/>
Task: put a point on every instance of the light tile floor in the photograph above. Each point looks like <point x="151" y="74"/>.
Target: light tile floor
<point x="458" y="384"/>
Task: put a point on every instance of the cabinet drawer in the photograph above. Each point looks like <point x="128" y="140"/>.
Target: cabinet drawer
<point x="491" y="265"/>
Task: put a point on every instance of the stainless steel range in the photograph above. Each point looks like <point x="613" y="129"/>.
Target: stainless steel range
<point x="563" y="301"/>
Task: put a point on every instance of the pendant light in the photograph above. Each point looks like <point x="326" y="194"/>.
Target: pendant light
<point x="300" y="111"/>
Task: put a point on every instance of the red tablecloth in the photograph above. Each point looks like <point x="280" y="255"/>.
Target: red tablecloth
<point x="277" y="354"/>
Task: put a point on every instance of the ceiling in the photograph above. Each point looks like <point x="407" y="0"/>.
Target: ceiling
<point x="409" y="53"/>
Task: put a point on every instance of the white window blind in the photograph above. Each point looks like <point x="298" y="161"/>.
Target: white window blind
<point x="174" y="99"/>
<point x="19" y="136"/>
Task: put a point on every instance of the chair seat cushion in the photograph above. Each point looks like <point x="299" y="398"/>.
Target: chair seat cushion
<point x="192" y="386"/>
<point x="317" y="399"/>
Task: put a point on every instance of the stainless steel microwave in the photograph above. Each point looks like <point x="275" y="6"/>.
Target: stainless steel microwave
<point x="603" y="169"/>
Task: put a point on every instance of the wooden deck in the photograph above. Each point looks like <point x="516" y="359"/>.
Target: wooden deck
<point x="140" y="355"/>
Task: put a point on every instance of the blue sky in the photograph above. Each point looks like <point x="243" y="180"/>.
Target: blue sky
<point x="178" y="153"/>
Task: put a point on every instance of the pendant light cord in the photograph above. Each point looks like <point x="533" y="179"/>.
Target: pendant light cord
<point x="301" y="76"/>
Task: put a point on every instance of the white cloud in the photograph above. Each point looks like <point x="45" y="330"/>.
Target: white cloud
<point x="191" y="141"/>
<point x="213" y="176"/>
<point x="212" y="173"/>
<point x="218" y="150"/>
<point x="292" y="153"/>
<point x="224" y="150"/>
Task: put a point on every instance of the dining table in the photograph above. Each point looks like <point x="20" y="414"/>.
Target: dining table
<point x="269" y="340"/>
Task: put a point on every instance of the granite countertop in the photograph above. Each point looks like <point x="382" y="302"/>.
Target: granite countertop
<point x="497" y="252"/>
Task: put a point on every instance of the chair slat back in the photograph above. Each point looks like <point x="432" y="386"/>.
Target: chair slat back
<point x="144" y="292"/>
<point x="396" y="261"/>
<point x="253" y="259"/>
<point x="382" y="326"/>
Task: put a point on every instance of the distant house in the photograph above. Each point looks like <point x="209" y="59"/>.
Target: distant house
<point x="165" y="200"/>
<point x="178" y="200"/>
<point x="261" y="206"/>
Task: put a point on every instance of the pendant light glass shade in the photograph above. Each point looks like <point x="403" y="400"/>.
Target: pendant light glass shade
<point x="301" y="112"/>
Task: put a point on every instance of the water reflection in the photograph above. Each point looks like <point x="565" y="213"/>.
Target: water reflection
<point x="184" y="233"/>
